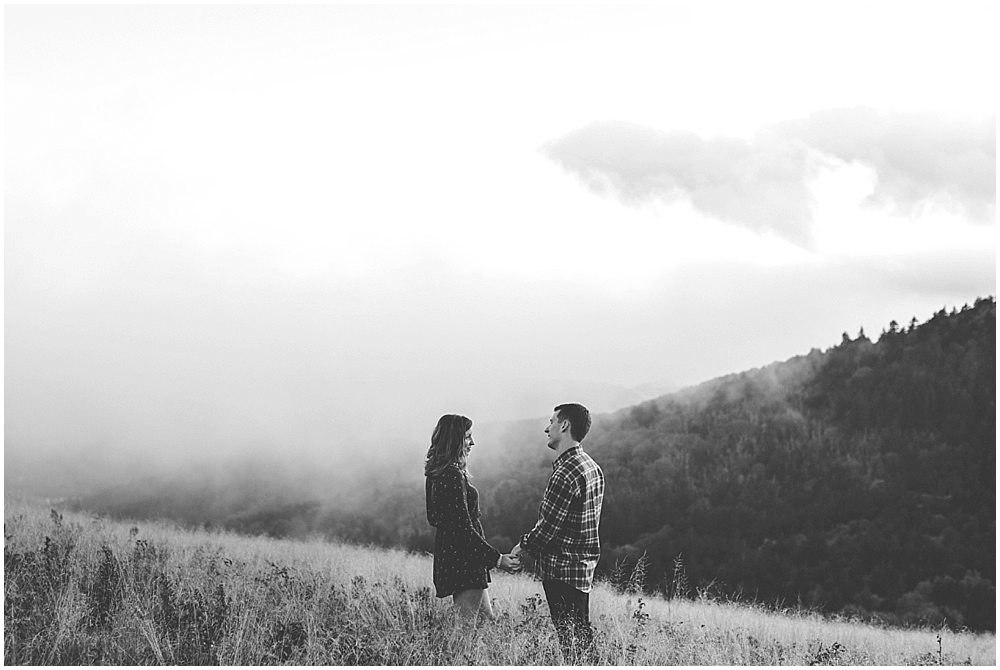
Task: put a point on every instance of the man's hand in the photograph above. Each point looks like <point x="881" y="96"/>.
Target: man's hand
<point x="516" y="551"/>
<point x="510" y="563"/>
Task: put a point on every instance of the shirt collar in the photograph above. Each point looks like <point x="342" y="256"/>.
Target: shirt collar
<point x="572" y="450"/>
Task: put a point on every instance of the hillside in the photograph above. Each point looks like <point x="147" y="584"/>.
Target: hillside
<point x="859" y="480"/>
<point x="82" y="591"/>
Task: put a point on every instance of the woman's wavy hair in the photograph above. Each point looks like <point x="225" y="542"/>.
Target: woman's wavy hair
<point x="448" y="445"/>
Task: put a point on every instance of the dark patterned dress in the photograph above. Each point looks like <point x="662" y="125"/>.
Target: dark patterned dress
<point x="462" y="556"/>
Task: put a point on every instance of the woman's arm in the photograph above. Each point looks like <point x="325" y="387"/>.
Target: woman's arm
<point x="448" y="506"/>
<point x="432" y="515"/>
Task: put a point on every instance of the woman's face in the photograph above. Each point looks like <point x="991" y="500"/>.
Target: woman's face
<point x="469" y="442"/>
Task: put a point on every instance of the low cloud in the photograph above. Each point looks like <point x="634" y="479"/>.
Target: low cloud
<point x="762" y="184"/>
<point x="757" y="184"/>
<point x="917" y="158"/>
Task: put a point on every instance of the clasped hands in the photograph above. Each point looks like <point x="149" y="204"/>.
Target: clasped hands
<point x="511" y="562"/>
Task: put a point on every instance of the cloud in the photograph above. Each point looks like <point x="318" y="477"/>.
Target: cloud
<point x="763" y="183"/>
<point x="950" y="275"/>
<point x="917" y="158"/>
<point x="757" y="184"/>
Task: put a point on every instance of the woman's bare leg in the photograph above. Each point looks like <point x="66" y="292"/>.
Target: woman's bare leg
<point x="473" y="602"/>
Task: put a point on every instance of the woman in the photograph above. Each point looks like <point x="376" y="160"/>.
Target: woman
<point x="462" y="556"/>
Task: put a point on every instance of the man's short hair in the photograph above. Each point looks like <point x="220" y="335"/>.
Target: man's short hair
<point x="578" y="417"/>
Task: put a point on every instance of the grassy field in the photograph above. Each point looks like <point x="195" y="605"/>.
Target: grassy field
<point x="81" y="590"/>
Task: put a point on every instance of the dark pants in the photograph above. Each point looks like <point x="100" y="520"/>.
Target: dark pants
<point x="570" y="610"/>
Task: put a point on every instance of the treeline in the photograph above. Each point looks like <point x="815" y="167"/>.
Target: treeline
<point x="860" y="480"/>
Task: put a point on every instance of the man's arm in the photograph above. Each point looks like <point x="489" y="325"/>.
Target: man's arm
<point x="559" y="495"/>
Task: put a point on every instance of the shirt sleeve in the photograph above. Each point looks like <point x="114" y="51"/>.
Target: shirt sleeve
<point x="432" y="513"/>
<point x="559" y="495"/>
<point x="448" y="510"/>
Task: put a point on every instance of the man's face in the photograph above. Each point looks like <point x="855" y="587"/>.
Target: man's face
<point x="556" y="431"/>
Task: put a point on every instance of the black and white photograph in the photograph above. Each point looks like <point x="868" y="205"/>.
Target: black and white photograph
<point x="500" y="334"/>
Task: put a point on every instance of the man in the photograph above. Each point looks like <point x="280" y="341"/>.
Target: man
<point x="564" y="541"/>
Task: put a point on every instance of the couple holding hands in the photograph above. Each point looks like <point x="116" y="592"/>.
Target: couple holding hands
<point x="564" y="542"/>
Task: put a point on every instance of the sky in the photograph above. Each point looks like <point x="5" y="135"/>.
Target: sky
<point x="319" y="228"/>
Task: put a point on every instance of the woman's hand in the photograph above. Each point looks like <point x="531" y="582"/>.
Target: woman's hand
<point x="509" y="563"/>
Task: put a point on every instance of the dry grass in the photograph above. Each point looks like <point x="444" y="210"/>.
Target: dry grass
<point x="79" y="590"/>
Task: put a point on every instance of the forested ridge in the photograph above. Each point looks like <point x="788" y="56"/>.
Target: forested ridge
<point x="861" y="479"/>
<point x="857" y="480"/>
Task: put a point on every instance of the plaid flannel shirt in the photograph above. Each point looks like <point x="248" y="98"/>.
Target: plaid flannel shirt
<point x="564" y="541"/>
